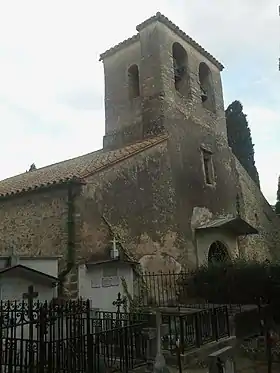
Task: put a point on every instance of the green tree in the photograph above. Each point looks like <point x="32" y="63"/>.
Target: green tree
<point x="277" y="206"/>
<point x="240" y="140"/>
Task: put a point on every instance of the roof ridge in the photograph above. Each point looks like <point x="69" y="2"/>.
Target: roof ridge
<point x="118" y="46"/>
<point x="73" y="170"/>
<point x="52" y="164"/>
<point x="172" y="26"/>
<point x="158" y="140"/>
<point x="167" y="22"/>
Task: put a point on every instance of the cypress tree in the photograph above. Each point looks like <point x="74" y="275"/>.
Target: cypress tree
<point x="240" y="140"/>
<point x="277" y="206"/>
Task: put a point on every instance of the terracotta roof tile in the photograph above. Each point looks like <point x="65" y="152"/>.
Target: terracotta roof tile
<point x="161" y="18"/>
<point x="119" y="46"/>
<point x="76" y="168"/>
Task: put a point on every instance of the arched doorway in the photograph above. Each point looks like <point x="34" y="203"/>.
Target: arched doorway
<point x="218" y="253"/>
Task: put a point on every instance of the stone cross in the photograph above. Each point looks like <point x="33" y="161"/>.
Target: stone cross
<point x="114" y="242"/>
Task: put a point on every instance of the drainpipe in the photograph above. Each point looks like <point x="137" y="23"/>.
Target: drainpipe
<point x="70" y="232"/>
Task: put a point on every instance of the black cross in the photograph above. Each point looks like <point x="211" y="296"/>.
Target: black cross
<point x="30" y="296"/>
<point x="120" y="302"/>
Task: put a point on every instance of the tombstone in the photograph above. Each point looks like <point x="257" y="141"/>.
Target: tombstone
<point x="222" y="361"/>
<point x="160" y="363"/>
<point x="150" y="334"/>
<point x="155" y="359"/>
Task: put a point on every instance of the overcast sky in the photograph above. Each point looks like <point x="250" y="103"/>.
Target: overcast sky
<point x="51" y="82"/>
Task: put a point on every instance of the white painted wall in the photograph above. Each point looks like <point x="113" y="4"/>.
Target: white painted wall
<point x="12" y="288"/>
<point x="45" y="265"/>
<point x="205" y="238"/>
<point x="100" y="289"/>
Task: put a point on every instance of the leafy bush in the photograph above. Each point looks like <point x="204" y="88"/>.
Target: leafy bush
<point x="237" y="282"/>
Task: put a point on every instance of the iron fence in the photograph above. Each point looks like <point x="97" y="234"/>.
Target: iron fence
<point x="123" y="348"/>
<point x="194" y="329"/>
<point x="109" y="320"/>
<point x="160" y="289"/>
<point x="67" y="337"/>
<point x="169" y="290"/>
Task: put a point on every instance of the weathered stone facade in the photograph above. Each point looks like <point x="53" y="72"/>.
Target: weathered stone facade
<point x="34" y="223"/>
<point x="165" y="169"/>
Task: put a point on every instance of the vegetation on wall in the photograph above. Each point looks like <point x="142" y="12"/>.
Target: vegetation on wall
<point x="135" y="302"/>
<point x="240" y="140"/>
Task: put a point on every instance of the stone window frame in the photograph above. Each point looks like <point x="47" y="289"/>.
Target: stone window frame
<point x="206" y="151"/>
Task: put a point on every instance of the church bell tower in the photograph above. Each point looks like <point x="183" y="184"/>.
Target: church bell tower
<point x="153" y="79"/>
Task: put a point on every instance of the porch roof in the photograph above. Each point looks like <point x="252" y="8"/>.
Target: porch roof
<point x="236" y="225"/>
<point x="108" y="261"/>
<point x="29" y="274"/>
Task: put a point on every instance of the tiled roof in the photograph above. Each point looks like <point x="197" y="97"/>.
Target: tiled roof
<point x="76" y="168"/>
<point x="234" y="223"/>
<point x="119" y="46"/>
<point x="161" y="18"/>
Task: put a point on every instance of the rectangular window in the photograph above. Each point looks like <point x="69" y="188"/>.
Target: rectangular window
<point x="208" y="167"/>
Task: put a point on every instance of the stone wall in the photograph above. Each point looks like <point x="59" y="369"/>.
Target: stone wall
<point x="137" y="197"/>
<point x="151" y="198"/>
<point x="151" y="50"/>
<point x="191" y="106"/>
<point x="190" y="126"/>
<point x="257" y="211"/>
<point x="34" y="223"/>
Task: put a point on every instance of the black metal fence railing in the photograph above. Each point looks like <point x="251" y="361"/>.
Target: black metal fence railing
<point x="39" y="337"/>
<point x="195" y="329"/>
<point x="71" y="337"/>
<point x="169" y="290"/>
<point x="110" y="320"/>
<point x="123" y="348"/>
<point x="161" y="289"/>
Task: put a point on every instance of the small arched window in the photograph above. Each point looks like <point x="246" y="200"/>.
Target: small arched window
<point x="218" y="253"/>
<point x="206" y="87"/>
<point x="180" y="63"/>
<point x="133" y="82"/>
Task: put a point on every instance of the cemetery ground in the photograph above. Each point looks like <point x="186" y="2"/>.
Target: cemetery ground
<point x="160" y="336"/>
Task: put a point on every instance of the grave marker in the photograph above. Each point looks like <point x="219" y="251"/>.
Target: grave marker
<point x="222" y="361"/>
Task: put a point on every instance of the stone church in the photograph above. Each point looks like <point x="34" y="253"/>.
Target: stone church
<point x="166" y="185"/>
